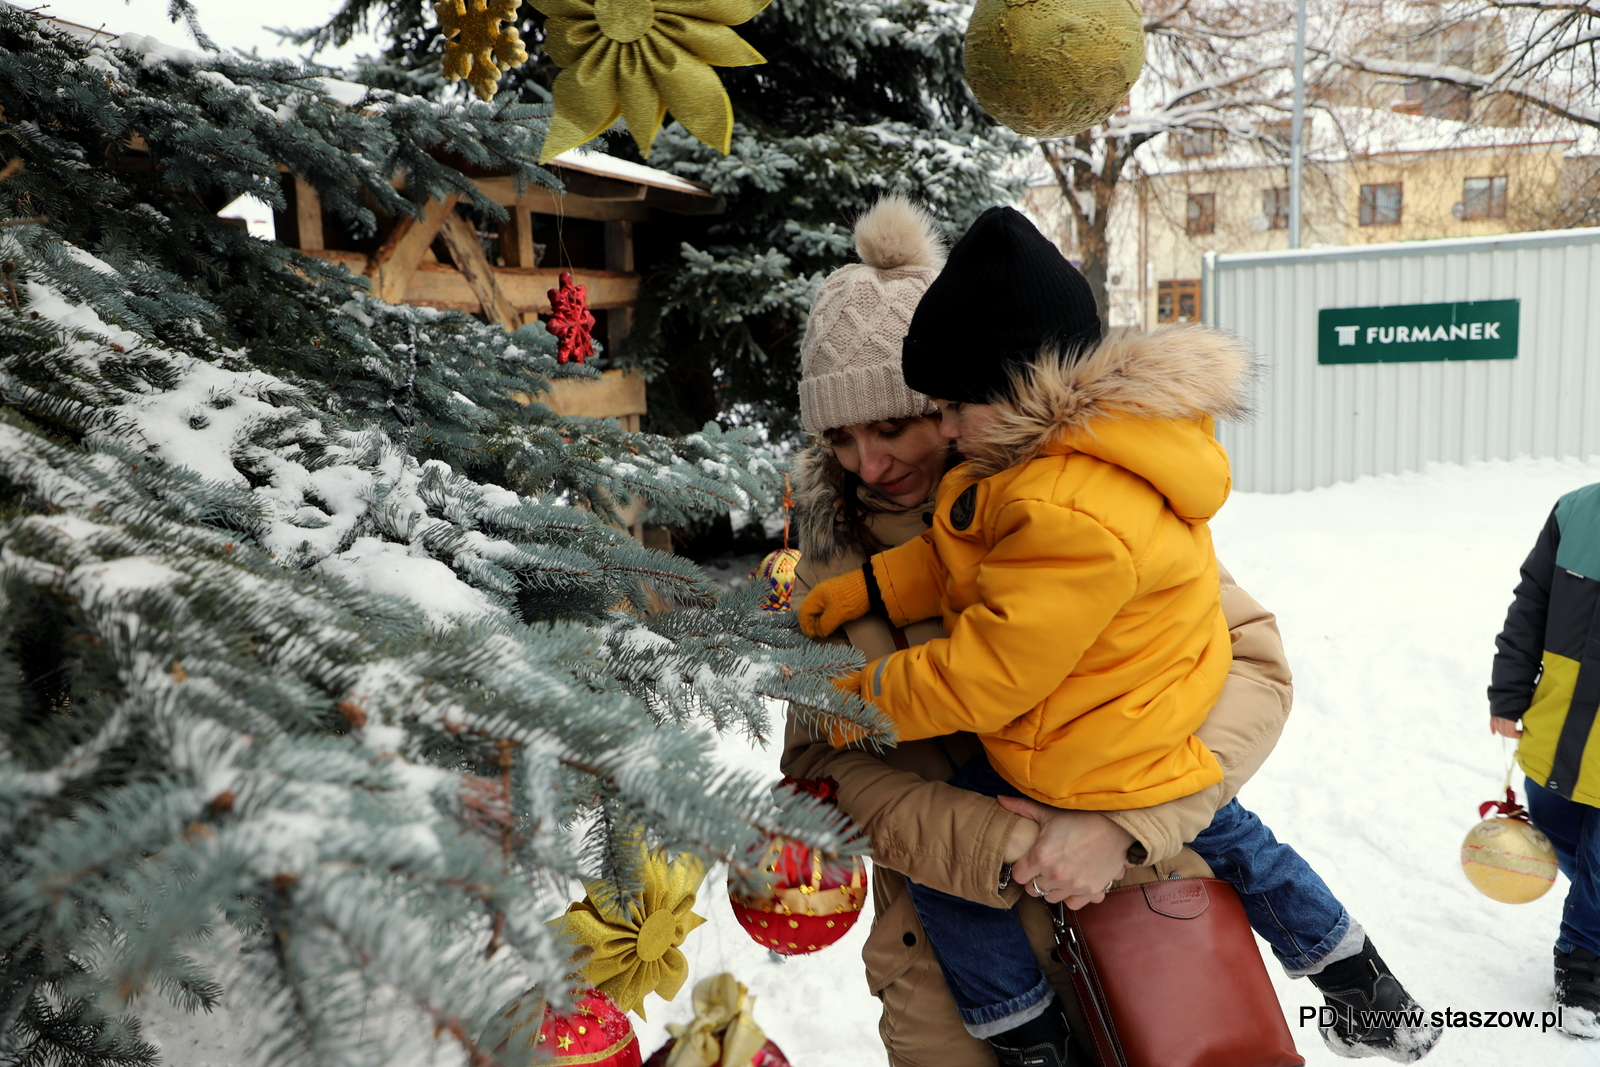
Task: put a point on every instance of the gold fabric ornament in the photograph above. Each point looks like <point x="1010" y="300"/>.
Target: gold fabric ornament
<point x="640" y="59"/>
<point x="634" y="942"/>
<point x="479" y="48"/>
<point x="1053" y="68"/>
<point x="723" y="1033"/>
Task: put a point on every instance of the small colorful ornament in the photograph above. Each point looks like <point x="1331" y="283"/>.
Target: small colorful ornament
<point x="639" y="59"/>
<point x="570" y="320"/>
<point x="478" y="48"/>
<point x="1505" y="858"/>
<point x="777" y="570"/>
<point x="776" y="573"/>
<point x="814" y="899"/>
<point x="634" y="942"/>
<point x="723" y="1032"/>
<point x="1053" y="68"/>
<point x="596" y="1033"/>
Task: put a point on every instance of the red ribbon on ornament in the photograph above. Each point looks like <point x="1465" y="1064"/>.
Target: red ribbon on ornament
<point x="824" y="789"/>
<point x="1509" y="808"/>
<point x="570" y="320"/>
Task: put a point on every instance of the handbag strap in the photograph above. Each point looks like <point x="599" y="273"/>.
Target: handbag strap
<point x="1102" y="1029"/>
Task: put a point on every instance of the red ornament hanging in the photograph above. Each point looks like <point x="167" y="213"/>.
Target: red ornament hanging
<point x="814" y="899"/>
<point x="570" y="320"/>
<point x="595" y="1033"/>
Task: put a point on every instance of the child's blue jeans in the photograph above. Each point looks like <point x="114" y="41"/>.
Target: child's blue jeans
<point x="989" y="965"/>
<point x="1575" y="831"/>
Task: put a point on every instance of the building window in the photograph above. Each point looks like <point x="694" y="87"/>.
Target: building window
<point x="1197" y="142"/>
<point x="1380" y="204"/>
<point x="1178" y="301"/>
<point x="1202" y="213"/>
<point x="1275" y="206"/>
<point x="1483" y="198"/>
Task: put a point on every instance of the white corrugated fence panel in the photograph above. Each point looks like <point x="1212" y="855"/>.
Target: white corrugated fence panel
<point x="1316" y="425"/>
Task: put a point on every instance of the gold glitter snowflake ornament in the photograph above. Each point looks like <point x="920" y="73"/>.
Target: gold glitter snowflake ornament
<point x="639" y="59"/>
<point x="479" y="49"/>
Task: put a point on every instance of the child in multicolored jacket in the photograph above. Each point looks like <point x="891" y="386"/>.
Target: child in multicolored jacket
<point x="1544" y="693"/>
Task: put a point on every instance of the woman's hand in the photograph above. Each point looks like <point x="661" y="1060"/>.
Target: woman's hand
<point x="1077" y="856"/>
<point x="1505" y="727"/>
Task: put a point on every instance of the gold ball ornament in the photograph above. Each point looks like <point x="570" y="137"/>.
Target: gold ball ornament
<point x="1508" y="860"/>
<point x="1053" y="68"/>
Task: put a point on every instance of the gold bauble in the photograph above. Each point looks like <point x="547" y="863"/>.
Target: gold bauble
<point x="1508" y="860"/>
<point x="1052" y="68"/>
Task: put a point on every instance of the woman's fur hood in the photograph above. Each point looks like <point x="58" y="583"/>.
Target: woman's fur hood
<point x="818" y="533"/>
<point x="1173" y="372"/>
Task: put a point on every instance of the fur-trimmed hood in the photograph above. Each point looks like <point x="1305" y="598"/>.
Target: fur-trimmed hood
<point x="1104" y="403"/>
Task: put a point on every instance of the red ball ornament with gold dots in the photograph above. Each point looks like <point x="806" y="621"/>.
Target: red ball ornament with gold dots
<point x="814" y="899"/>
<point x="594" y="1033"/>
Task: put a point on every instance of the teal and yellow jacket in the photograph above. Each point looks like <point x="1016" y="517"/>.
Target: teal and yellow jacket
<point x="1547" y="667"/>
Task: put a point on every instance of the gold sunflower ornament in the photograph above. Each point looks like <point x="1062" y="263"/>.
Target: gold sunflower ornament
<point x="634" y="942"/>
<point x="477" y="47"/>
<point x="640" y="59"/>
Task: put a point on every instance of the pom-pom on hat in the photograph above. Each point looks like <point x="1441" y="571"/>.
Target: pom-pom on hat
<point x="1006" y="294"/>
<point x="850" y="357"/>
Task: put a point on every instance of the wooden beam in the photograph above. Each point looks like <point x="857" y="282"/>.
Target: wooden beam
<point x="619" y="394"/>
<point x="397" y="260"/>
<point x="308" y="216"/>
<point x="437" y="285"/>
<point x="461" y="238"/>
<point x="537" y="198"/>
<point x="516" y="239"/>
<point x="619" y="257"/>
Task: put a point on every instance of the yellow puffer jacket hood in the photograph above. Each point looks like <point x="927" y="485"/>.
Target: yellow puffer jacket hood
<point x="1144" y="401"/>
<point x="1071" y="564"/>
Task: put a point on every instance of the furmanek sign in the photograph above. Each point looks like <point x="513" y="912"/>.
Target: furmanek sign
<point x="1414" y="333"/>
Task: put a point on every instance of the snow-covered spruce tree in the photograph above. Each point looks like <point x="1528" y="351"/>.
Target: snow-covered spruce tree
<point x="306" y="628"/>
<point x="855" y="99"/>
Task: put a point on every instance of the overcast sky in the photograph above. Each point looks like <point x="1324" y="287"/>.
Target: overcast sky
<point x="231" y="23"/>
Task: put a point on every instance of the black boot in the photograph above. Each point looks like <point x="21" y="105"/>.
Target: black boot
<point x="1042" y="1042"/>
<point x="1578" y="992"/>
<point x="1373" y="1014"/>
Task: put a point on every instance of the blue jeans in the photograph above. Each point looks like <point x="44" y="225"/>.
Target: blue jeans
<point x="989" y="965"/>
<point x="1575" y="831"/>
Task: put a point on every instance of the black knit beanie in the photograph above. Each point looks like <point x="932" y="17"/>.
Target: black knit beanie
<point x="1003" y="295"/>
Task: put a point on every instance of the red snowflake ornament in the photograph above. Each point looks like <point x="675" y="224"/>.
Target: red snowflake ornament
<point x="570" y="320"/>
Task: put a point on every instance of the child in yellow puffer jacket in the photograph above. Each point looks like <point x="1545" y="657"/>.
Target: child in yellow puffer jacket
<point x="1070" y="557"/>
<point x="1070" y="560"/>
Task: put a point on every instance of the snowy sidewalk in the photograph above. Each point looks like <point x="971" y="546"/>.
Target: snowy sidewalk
<point x="1389" y="592"/>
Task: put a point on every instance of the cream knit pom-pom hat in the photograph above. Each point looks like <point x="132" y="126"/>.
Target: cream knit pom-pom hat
<point x="850" y="357"/>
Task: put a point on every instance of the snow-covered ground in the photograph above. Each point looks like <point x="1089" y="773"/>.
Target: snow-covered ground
<point x="1389" y="592"/>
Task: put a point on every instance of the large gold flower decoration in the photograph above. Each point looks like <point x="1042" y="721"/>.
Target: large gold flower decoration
<point x="635" y="941"/>
<point x="640" y="59"/>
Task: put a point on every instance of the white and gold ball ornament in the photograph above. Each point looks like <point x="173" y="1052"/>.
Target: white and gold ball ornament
<point x="1506" y="858"/>
<point x="1053" y="68"/>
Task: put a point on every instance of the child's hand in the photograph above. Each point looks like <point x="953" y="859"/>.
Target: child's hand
<point x="1505" y="727"/>
<point x="1077" y="857"/>
<point x="833" y="603"/>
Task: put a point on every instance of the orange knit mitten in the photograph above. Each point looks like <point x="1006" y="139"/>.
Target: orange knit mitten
<point x="833" y="603"/>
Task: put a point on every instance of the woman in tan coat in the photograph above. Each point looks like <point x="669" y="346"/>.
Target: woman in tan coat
<point x="869" y="485"/>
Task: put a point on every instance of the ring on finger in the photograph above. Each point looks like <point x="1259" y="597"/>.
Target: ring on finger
<point x="1036" y="889"/>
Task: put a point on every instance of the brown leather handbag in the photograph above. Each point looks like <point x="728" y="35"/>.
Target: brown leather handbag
<point x="1168" y="975"/>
